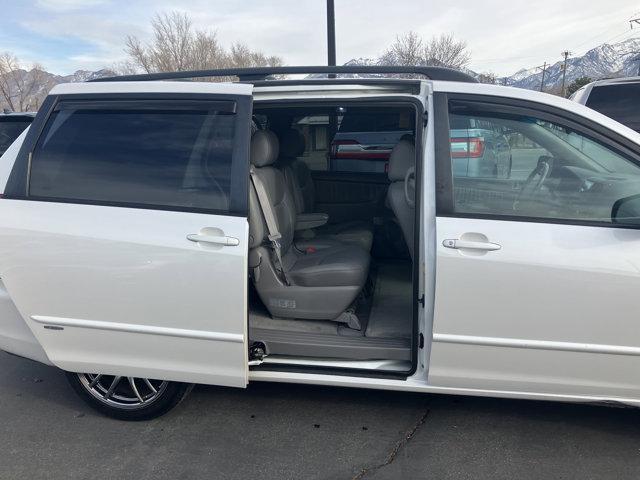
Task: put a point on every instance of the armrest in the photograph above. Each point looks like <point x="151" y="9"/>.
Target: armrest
<point x="306" y="221"/>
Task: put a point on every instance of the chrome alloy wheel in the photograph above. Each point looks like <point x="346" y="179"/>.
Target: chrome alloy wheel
<point x="124" y="393"/>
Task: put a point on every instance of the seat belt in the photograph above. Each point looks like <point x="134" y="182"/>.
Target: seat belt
<point x="272" y="226"/>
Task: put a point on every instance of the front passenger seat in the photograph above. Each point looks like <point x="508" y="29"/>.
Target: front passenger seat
<point x="319" y="284"/>
<point x="401" y="164"/>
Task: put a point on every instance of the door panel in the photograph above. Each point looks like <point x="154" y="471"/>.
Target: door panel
<point x="536" y="281"/>
<point x="124" y="234"/>
<point x="124" y="292"/>
<point x="555" y="309"/>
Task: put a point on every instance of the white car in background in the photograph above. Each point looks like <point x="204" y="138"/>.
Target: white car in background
<point x="155" y="234"/>
<point x="618" y="98"/>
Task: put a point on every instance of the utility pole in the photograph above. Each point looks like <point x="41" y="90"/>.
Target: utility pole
<point x="544" y="72"/>
<point x="566" y="54"/>
<point x="636" y="21"/>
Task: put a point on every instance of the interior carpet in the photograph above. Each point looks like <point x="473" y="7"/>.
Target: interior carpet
<point x="392" y="313"/>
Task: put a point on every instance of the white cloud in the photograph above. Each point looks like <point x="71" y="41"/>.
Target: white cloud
<point x="66" y="5"/>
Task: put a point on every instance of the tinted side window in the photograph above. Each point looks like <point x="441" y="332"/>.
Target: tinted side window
<point x="137" y="156"/>
<point x="619" y="102"/>
<point x="511" y="165"/>
<point x="9" y="131"/>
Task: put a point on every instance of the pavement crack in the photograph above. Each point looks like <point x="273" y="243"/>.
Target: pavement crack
<point x="399" y="445"/>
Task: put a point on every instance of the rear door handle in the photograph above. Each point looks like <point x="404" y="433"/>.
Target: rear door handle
<point x="470" y="245"/>
<point x="218" y="240"/>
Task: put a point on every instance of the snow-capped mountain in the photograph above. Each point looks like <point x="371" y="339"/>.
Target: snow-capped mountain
<point x="28" y="88"/>
<point x="606" y="60"/>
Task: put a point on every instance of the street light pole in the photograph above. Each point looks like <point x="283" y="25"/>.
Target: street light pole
<point x="331" y="33"/>
<point x="331" y="61"/>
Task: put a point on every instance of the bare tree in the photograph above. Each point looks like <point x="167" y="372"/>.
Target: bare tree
<point x="410" y="49"/>
<point x="176" y="46"/>
<point x="488" y="77"/>
<point x="446" y="50"/>
<point x="20" y="89"/>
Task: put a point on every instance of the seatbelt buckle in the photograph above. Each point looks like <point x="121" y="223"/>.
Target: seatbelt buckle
<point x="275" y="240"/>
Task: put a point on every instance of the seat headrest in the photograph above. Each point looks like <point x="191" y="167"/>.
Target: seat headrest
<point x="402" y="158"/>
<point x="292" y="143"/>
<point x="264" y="148"/>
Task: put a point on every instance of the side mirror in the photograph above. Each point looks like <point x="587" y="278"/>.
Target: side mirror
<point x="626" y="211"/>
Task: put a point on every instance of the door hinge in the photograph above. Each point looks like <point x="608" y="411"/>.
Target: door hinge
<point x="421" y="341"/>
<point x="421" y="300"/>
<point x="425" y="118"/>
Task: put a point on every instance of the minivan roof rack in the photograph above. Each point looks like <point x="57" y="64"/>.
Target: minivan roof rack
<point x="262" y="73"/>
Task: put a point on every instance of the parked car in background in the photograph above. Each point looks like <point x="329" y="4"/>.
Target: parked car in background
<point x="11" y="126"/>
<point x="618" y="98"/>
<point x="479" y="148"/>
<point x="362" y="135"/>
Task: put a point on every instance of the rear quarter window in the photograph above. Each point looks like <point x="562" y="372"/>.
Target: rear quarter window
<point x="619" y="102"/>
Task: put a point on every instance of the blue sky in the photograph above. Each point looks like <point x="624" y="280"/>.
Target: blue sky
<point x="503" y="36"/>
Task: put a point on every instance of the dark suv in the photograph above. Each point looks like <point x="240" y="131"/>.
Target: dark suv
<point x="11" y="126"/>
<point x="618" y="98"/>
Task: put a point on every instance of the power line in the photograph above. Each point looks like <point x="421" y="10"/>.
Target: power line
<point x="635" y="20"/>
<point x="595" y="37"/>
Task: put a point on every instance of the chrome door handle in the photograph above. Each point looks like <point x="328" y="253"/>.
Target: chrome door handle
<point x="471" y="245"/>
<point x="218" y="240"/>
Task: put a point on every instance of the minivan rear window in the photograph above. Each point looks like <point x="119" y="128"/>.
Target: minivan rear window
<point x="151" y="154"/>
<point x="619" y="102"/>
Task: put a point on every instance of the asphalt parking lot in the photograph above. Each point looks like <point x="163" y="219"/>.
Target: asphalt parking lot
<point x="278" y="431"/>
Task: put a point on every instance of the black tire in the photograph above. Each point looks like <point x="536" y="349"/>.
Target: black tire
<point x="170" y="395"/>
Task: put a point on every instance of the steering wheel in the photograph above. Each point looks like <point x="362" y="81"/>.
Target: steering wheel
<point x="534" y="181"/>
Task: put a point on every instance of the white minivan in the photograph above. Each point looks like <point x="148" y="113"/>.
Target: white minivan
<point x="155" y="234"/>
